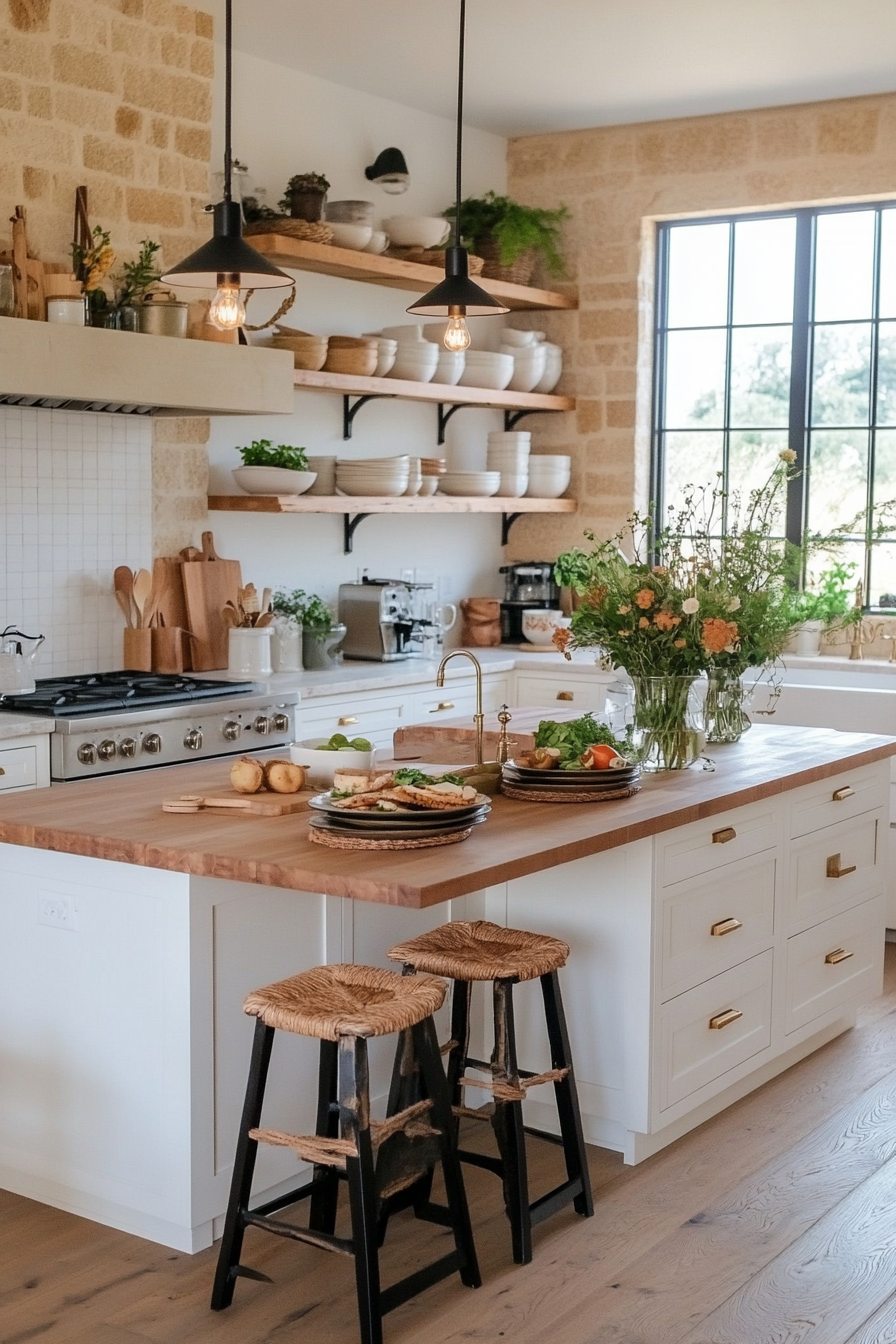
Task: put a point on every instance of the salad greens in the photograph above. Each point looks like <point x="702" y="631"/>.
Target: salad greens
<point x="573" y="737"/>
<point x="408" y="775"/>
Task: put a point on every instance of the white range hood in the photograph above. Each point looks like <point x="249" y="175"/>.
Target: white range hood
<point x="46" y="364"/>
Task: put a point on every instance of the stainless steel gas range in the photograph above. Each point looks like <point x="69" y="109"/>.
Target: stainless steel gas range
<point x="110" y="722"/>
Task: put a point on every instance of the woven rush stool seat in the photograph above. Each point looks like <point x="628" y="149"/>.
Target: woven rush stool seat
<point x="346" y="1000"/>
<point x="479" y="950"/>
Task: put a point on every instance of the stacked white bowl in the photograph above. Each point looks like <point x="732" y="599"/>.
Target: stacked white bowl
<point x="480" y="484"/>
<point x="548" y="475"/>
<point x="520" y="343"/>
<point x="386" y="352"/>
<point x="508" y="453"/>
<point x="530" y="362"/>
<point x="415" y="359"/>
<point x="482" y="368"/>
<point x="373" y="475"/>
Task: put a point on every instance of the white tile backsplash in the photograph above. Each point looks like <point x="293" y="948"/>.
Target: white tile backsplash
<point x="75" y="501"/>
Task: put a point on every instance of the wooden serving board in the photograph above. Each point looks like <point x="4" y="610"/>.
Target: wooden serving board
<point x="209" y="584"/>
<point x="168" y="590"/>
<point x="253" y="804"/>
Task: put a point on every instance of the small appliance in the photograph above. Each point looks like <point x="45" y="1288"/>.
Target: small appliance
<point x="378" y="620"/>
<point x="528" y="586"/>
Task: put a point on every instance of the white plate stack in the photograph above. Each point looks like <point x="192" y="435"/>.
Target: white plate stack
<point x="476" y="484"/>
<point x="380" y="476"/>
<point x="548" y="475"/>
<point x="508" y="453"/>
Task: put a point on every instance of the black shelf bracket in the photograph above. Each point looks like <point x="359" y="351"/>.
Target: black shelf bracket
<point x="507" y="522"/>
<point x="349" y="527"/>
<point x="512" y="418"/>
<point x="445" y="415"/>
<point x="350" y="409"/>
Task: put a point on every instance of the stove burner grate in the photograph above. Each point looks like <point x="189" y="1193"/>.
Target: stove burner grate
<point x="107" y="692"/>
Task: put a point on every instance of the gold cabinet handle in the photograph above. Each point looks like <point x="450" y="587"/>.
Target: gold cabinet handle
<point x="2" y="771"/>
<point x="834" y="958"/>
<point x="725" y="926"/>
<point x="566" y="695"/>
<point x="443" y="704"/>
<point x="724" y="1019"/>
<point x="724" y="835"/>
<point x="839" y="794"/>
<point x="833" y="869"/>
<point x="347" y="719"/>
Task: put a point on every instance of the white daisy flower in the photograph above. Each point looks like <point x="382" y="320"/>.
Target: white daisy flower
<point x="690" y="605"/>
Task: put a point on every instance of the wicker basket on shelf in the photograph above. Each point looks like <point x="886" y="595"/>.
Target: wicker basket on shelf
<point x="293" y="228"/>
<point x="520" y="273"/>
<point x="433" y="256"/>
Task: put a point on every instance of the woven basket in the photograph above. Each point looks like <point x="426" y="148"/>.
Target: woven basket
<point x="567" y="796"/>
<point x="520" y="273"/>
<point x="433" y="256"/>
<point x="333" y="840"/>
<point x="293" y="228"/>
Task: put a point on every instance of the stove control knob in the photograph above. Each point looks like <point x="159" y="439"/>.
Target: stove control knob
<point x="106" y="750"/>
<point x="152" y="743"/>
<point x="193" y="739"/>
<point x="127" y="747"/>
<point x="262" y="725"/>
<point x="281" y="723"/>
<point x="231" y="730"/>
<point x="87" y="753"/>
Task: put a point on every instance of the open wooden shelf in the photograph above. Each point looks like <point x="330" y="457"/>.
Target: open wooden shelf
<point x="443" y="393"/>
<point x="297" y="255"/>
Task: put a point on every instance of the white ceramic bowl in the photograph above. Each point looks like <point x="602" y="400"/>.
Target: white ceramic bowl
<point x="429" y="485"/>
<point x="517" y="437"/>
<point x="386" y="352"/>
<point x="325" y="471"/>
<point x="484" y="369"/>
<point x="480" y="484"/>
<point x="355" y="236"/>
<point x="416" y="363"/>
<point x="273" y="480"/>
<point x="513" y="484"/>
<point x="511" y="336"/>
<point x="408" y="331"/>
<point x="553" y="369"/>
<point x="549" y="462"/>
<point x="539" y="626"/>
<point x="450" y="366"/>
<point x="321" y="766"/>
<point x="379" y="241"/>
<point x="530" y="362"/>
<point x="547" y="483"/>
<point x="417" y="230"/>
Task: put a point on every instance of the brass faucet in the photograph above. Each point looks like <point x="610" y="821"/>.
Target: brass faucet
<point x="478" y="717"/>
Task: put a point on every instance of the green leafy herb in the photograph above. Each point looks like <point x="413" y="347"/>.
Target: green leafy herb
<point x="262" y="453"/>
<point x="515" y="228"/>
<point x="572" y="738"/>
<point x="307" y="609"/>
<point x="409" y="775"/>
<point x="137" y="276"/>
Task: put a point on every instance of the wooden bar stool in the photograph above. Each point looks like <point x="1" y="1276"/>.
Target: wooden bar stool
<point x="342" y="1006"/>
<point x="466" y="952"/>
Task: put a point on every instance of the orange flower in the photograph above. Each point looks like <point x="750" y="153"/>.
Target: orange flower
<point x="660" y="569"/>
<point x="644" y="623"/>
<point x="717" y="634"/>
<point x="623" y="633"/>
<point x="679" y="643"/>
<point x="595" y="596"/>
<point x="560" y="639"/>
<point x="644" y="598"/>
<point x="666" y="621"/>
<point x="623" y="611"/>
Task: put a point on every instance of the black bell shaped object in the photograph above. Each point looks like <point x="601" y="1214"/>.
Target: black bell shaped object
<point x="457" y="296"/>
<point x="389" y="171"/>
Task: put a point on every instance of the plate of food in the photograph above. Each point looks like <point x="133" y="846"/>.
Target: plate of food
<point x="407" y="796"/>
<point x="576" y="761"/>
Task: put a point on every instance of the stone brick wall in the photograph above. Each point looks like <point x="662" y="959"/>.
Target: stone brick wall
<point x="179" y="482"/>
<point x="115" y="94"/>
<point x="619" y="181"/>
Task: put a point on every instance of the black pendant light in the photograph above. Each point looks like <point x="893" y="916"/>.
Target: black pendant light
<point x="458" y="297"/>
<point x="227" y="263"/>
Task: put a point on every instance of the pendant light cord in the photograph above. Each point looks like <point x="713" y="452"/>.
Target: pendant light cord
<point x="228" y="97"/>
<point x="460" y="118"/>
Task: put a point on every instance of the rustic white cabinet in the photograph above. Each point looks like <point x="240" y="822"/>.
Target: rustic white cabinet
<point x="25" y="762"/>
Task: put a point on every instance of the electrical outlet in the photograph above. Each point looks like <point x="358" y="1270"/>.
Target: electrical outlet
<point x="58" y="912"/>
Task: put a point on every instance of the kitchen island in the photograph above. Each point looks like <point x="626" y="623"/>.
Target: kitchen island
<point x="723" y="924"/>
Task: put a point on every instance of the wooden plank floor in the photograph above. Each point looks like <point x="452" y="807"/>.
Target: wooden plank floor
<point x="774" y="1223"/>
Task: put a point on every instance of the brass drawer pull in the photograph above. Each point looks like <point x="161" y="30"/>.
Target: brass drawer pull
<point x="724" y="835"/>
<point x="348" y="718"/>
<point x="2" y="771"/>
<point x="833" y="869"/>
<point x="724" y="1019"/>
<point x="566" y="695"/>
<point x="443" y="704"/>
<point x="839" y="794"/>
<point x="834" y="958"/>
<point x="725" y="926"/>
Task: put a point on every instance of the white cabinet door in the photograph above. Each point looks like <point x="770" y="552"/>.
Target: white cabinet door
<point x="25" y="763"/>
<point x="585" y="693"/>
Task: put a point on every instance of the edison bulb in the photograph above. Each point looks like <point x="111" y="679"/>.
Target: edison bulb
<point x="456" y="337"/>
<point x="227" y="309"/>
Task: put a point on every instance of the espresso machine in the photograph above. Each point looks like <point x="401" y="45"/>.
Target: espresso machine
<point x="378" y="620"/>
<point x="528" y="586"/>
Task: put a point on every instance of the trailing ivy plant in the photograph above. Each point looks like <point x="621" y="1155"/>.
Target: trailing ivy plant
<point x="262" y="453"/>
<point x="515" y="228"/>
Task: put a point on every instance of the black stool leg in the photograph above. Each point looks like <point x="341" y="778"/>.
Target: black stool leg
<point x="434" y="1082"/>
<point x="461" y="993"/>
<point x="355" y="1113"/>
<point x="243" y="1169"/>
<point x="325" y="1199"/>
<point x="508" y="1126"/>
<point x="570" y="1116"/>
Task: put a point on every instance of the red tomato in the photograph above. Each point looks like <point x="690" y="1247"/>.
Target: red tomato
<point x="599" y="757"/>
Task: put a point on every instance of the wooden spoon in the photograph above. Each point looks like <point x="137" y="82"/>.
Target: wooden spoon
<point x="142" y="591"/>
<point x="123" y="583"/>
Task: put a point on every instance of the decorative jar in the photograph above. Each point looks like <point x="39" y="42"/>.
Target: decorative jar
<point x="725" y="706"/>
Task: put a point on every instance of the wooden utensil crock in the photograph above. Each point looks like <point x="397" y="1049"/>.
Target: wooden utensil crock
<point x="138" y="650"/>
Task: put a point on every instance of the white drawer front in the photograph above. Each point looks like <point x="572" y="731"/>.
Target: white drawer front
<point x="694" y="1053"/>
<point x="833" y="800"/>
<point x="357" y="717"/>
<point x="18" y="768"/>
<point x="850" y="849"/>
<point x="718" y="841"/>
<point x="716" y="923"/>
<point x="444" y="705"/>
<point x="834" y="962"/>
<point x="584" y="695"/>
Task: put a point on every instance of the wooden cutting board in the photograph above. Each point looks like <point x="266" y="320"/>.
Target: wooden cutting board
<point x="453" y="741"/>
<point x="209" y="584"/>
<point x="168" y="591"/>
<point x="249" y="804"/>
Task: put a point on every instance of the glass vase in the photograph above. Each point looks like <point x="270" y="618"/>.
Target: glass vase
<point x="668" y="723"/>
<point x="725" y="707"/>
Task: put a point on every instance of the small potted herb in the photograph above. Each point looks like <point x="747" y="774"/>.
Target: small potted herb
<point x="267" y="470"/>
<point x="511" y="237"/>
<point x="829" y="605"/>
<point x="321" y="632"/>
<point x="136" y="278"/>
<point x="304" y="196"/>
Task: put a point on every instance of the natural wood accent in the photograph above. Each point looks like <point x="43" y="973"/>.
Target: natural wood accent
<point x="295" y="254"/>
<point x="447" y="394"/>
<point x="384" y="504"/>
<point x="729" y="1209"/>
<point x="120" y="819"/>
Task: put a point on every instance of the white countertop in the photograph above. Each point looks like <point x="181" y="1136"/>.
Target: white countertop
<point x="21" y="725"/>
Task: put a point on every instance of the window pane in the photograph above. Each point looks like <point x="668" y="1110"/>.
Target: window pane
<point x="691" y="459"/>
<point x="752" y="457"/>
<point x="883" y="575"/>
<point x="886" y="374"/>
<point x="844" y="260"/>
<point x="760" y="376"/>
<point x="841" y="375"/>
<point x="838" y="465"/>
<point x="698" y="275"/>
<point x="695" y="378"/>
<point x="763" y="270"/>
<point x="885" y="471"/>
<point x="888" y="263"/>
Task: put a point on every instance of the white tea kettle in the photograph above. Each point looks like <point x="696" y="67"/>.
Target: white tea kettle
<point x="18" y="654"/>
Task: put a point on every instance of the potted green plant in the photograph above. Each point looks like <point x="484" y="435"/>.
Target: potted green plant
<point x="511" y="237"/>
<point x="321" y="632"/>
<point x="267" y="470"/>
<point x="829" y="604"/>
<point x="304" y="196"/>
<point x="135" y="279"/>
<point x="90" y="265"/>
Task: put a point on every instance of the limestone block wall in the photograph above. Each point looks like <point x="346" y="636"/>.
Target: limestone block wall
<point x="179" y="482"/>
<point x="618" y="182"/>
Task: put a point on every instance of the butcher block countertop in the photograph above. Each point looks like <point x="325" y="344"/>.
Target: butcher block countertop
<point x="120" y="819"/>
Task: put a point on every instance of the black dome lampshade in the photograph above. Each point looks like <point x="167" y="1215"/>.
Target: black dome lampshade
<point x="390" y="171"/>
